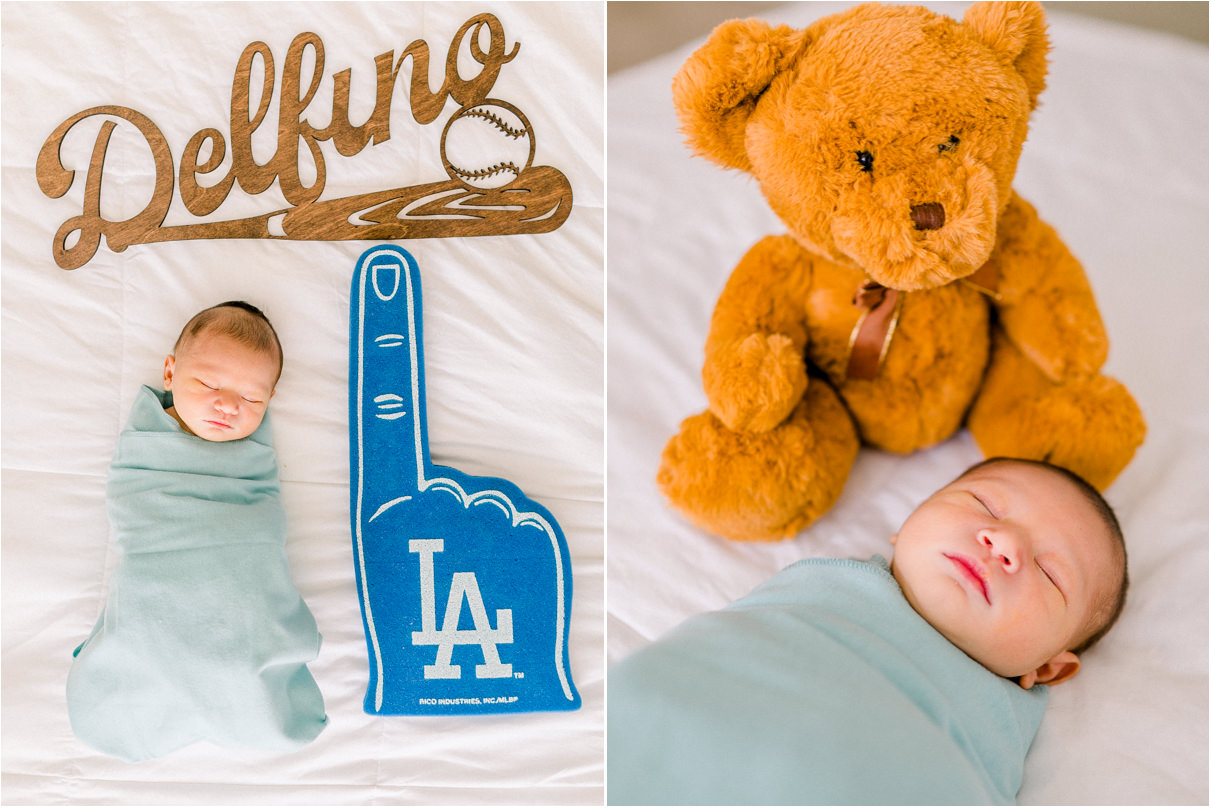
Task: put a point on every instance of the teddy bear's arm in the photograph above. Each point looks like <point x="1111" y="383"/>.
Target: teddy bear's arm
<point x="1046" y="304"/>
<point x="754" y="373"/>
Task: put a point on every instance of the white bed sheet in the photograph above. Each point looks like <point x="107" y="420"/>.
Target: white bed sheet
<point x="514" y="343"/>
<point x="1116" y="160"/>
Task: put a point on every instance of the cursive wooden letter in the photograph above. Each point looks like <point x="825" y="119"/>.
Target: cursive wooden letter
<point x="54" y="180"/>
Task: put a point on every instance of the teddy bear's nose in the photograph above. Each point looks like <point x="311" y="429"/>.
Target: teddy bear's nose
<point x="930" y="216"/>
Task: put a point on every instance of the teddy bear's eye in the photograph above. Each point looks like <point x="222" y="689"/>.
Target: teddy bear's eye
<point x="949" y="145"/>
<point x="866" y="160"/>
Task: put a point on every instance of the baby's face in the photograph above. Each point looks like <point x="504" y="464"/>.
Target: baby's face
<point x="220" y="387"/>
<point x="1009" y="563"/>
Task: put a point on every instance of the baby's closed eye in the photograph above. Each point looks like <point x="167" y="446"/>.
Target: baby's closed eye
<point x="1051" y="576"/>
<point x="984" y="504"/>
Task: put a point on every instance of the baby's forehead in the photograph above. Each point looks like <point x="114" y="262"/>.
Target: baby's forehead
<point x="1027" y="479"/>
<point x="1009" y="469"/>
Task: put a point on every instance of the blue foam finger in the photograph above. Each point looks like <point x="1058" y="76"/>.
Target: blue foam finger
<point x="465" y="583"/>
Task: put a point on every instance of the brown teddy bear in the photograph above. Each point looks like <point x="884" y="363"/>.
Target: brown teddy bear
<point x="915" y="292"/>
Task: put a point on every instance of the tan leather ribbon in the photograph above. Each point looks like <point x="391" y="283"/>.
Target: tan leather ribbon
<point x="985" y="279"/>
<point x="871" y="337"/>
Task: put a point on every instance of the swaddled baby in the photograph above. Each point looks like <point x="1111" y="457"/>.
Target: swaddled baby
<point x="203" y="635"/>
<point x="845" y="681"/>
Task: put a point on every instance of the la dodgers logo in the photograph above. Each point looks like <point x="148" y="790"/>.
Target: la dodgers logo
<point x="463" y="586"/>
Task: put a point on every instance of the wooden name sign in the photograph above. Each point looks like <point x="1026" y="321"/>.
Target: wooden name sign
<point x="487" y="150"/>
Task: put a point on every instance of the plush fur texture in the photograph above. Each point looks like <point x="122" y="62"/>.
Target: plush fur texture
<point x="886" y="139"/>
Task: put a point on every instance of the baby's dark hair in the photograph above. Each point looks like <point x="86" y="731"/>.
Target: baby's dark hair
<point x="241" y="321"/>
<point x="1109" y="610"/>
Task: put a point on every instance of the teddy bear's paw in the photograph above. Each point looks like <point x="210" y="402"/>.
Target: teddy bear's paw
<point x="1090" y="426"/>
<point x="1063" y="351"/>
<point x="753" y="384"/>
<point x="761" y="486"/>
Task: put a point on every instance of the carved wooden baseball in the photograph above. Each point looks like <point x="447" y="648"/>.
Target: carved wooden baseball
<point x="488" y="145"/>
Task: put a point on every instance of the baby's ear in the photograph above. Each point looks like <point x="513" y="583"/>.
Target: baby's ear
<point x="1060" y="668"/>
<point x="169" y="366"/>
<point x="717" y="88"/>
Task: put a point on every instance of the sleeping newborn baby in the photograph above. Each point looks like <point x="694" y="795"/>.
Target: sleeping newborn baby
<point x="845" y="681"/>
<point x="203" y="635"/>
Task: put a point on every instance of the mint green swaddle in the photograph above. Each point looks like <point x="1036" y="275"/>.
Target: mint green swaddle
<point x="203" y="635"/>
<point x="822" y="686"/>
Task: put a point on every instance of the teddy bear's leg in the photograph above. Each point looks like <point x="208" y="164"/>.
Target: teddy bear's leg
<point x="763" y="486"/>
<point x="1091" y="426"/>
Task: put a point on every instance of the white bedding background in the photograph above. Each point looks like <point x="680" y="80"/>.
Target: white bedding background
<point x="513" y="344"/>
<point x="1116" y="160"/>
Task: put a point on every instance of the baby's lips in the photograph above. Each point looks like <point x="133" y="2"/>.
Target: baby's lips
<point x="973" y="571"/>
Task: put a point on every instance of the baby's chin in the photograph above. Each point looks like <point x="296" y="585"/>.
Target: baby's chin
<point x="222" y="438"/>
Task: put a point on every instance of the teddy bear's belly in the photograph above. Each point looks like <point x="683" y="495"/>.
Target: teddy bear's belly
<point x="929" y="375"/>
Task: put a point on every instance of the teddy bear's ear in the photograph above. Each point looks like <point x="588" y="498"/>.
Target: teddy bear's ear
<point x="1018" y="33"/>
<point x="717" y="88"/>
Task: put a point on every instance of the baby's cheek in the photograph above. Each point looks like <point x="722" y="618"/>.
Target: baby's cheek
<point x="1012" y="624"/>
<point x="254" y="422"/>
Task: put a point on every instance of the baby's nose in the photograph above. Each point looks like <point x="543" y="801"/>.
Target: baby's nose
<point x="227" y="404"/>
<point x="1003" y="548"/>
